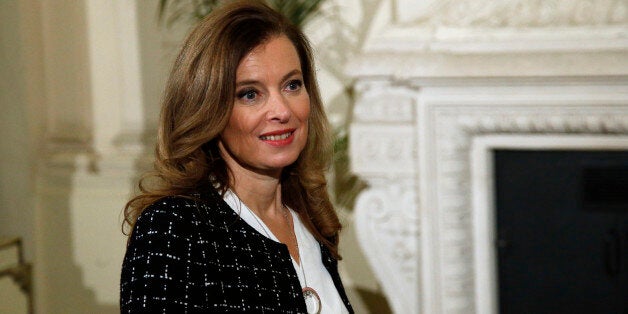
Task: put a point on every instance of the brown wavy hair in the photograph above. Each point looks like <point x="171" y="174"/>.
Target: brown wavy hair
<point x="198" y="101"/>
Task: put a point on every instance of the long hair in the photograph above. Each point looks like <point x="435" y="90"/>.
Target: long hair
<point x="197" y="104"/>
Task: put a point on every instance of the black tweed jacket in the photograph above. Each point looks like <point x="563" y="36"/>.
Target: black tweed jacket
<point x="186" y="256"/>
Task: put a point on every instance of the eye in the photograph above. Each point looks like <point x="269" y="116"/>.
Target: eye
<point x="294" y="85"/>
<point x="247" y="94"/>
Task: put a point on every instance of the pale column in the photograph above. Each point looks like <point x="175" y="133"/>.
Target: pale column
<point x="94" y="129"/>
<point x="116" y="97"/>
<point x="103" y="181"/>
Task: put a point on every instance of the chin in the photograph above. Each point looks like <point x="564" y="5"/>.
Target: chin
<point x="283" y="163"/>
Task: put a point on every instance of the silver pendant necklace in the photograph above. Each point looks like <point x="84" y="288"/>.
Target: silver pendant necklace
<point x="312" y="299"/>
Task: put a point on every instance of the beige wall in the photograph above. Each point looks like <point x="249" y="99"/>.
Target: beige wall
<point x="45" y="99"/>
<point x="20" y="132"/>
<point x="20" y="128"/>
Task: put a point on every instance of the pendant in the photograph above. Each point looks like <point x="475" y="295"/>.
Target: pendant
<point x="312" y="300"/>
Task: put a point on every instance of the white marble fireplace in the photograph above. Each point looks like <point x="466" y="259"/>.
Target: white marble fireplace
<point x="440" y="85"/>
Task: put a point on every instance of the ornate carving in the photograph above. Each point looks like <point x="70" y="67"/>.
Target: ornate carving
<point x="382" y="136"/>
<point x="517" y="13"/>
<point x="382" y="149"/>
<point x="541" y="123"/>
<point x="448" y="117"/>
<point x="387" y="227"/>
<point x="390" y="104"/>
<point x="455" y="128"/>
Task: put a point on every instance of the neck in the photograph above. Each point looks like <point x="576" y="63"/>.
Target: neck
<point x="260" y="191"/>
<point x="261" y="196"/>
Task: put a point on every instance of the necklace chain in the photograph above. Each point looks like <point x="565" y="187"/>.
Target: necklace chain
<point x="292" y="233"/>
<point x="296" y="241"/>
<point x="308" y="292"/>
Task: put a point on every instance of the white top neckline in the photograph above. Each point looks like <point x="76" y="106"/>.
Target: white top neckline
<point x="316" y="274"/>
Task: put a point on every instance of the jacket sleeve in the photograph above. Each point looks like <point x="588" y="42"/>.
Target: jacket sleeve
<point x="162" y="271"/>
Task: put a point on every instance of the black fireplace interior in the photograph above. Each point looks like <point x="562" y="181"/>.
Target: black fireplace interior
<point x="562" y="229"/>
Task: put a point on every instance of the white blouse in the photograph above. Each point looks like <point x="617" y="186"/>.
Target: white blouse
<point x="315" y="272"/>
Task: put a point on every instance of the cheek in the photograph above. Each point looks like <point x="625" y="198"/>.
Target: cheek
<point x="304" y="116"/>
<point x="304" y="111"/>
<point x="240" y="123"/>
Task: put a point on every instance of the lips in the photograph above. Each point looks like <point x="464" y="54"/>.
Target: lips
<point x="278" y="138"/>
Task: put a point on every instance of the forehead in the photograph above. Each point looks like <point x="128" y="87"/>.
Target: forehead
<point x="273" y="55"/>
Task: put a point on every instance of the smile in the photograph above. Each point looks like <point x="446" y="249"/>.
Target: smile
<point x="279" y="138"/>
<point x="276" y="137"/>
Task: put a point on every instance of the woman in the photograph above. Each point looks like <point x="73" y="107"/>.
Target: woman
<point x="239" y="219"/>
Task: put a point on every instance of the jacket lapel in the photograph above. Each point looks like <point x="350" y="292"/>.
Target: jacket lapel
<point x="331" y="264"/>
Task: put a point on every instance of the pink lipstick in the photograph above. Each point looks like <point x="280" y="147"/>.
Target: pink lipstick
<point x="278" y="138"/>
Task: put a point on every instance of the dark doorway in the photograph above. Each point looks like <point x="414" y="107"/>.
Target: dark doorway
<point x="562" y="227"/>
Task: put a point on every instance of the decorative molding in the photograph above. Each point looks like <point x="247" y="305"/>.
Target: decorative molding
<point x="441" y="68"/>
<point x="383" y="146"/>
<point x="380" y="149"/>
<point x="486" y="26"/>
<point x="392" y="104"/>
<point x="401" y="39"/>
<point x="536" y="122"/>
<point x="450" y="126"/>
<point x="450" y="114"/>
<point x="517" y="13"/>
<point x="382" y="138"/>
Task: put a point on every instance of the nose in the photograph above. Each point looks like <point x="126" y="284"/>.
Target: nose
<point x="279" y="109"/>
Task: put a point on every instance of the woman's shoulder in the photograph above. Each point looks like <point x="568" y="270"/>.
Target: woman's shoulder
<point x="170" y="208"/>
<point x="167" y="213"/>
<point x="180" y="211"/>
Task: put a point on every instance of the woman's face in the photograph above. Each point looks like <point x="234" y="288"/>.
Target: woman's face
<point x="268" y="127"/>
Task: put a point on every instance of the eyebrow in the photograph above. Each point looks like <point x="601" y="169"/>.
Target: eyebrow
<point x="285" y="77"/>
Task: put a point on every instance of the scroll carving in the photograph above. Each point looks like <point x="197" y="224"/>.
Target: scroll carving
<point x="383" y="153"/>
<point x="387" y="226"/>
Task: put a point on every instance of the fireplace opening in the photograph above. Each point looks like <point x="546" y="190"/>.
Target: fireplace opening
<point x="562" y="231"/>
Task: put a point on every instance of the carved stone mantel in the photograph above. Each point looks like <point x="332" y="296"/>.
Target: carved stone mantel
<point x="415" y="221"/>
<point x="431" y="89"/>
